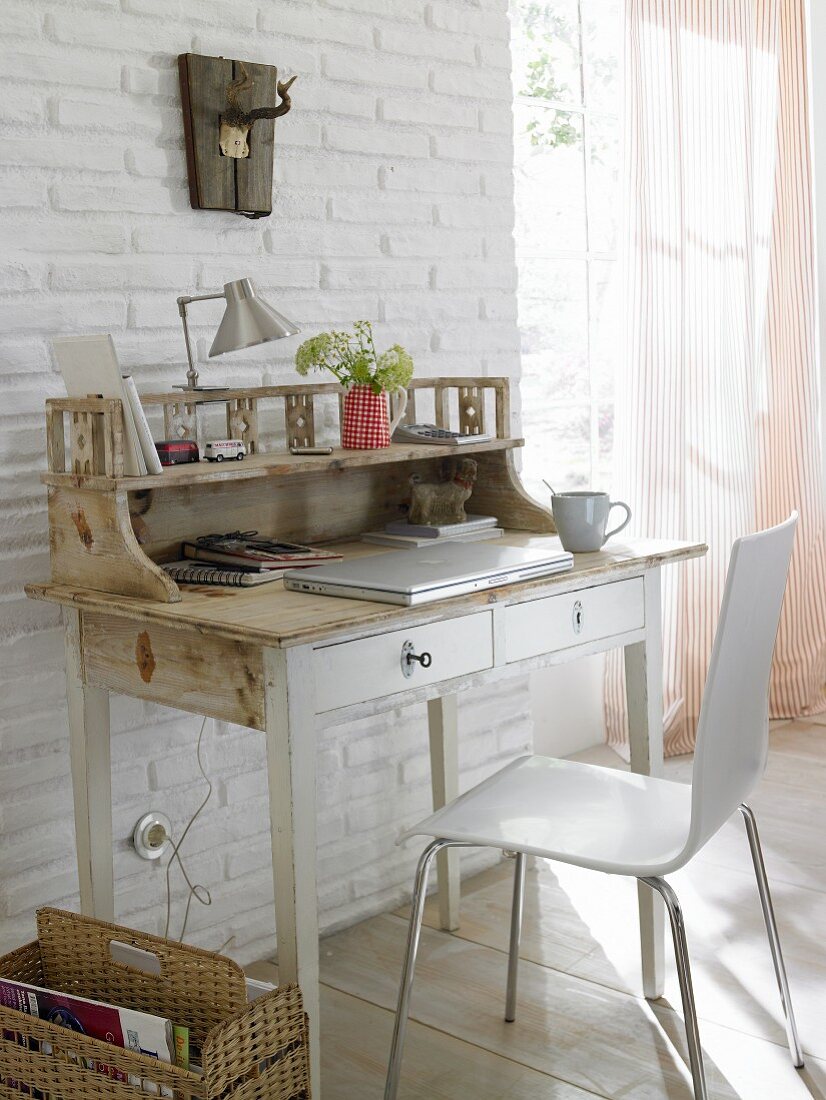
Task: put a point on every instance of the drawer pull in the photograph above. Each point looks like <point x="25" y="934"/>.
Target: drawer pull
<point x="410" y="658"/>
<point x="577" y="617"/>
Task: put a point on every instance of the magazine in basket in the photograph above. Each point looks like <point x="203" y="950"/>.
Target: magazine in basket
<point x="140" y="1032"/>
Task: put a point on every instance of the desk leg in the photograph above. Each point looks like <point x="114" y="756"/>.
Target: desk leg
<point x="643" y="681"/>
<point x="290" y="721"/>
<point x="91" y="780"/>
<point x="442" y="718"/>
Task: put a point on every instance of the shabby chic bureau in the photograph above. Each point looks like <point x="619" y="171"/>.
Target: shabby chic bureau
<point x="287" y="663"/>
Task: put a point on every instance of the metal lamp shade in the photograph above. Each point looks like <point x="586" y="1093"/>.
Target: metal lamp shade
<point x="248" y="320"/>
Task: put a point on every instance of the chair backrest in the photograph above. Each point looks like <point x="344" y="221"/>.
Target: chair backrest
<point x="733" y="730"/>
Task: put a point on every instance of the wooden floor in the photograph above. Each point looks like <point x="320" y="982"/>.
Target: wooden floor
<point x="582" y="1028"/>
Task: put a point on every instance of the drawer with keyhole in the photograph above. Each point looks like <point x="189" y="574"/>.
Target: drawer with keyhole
<point x="573" y="618"/>
<point x="370" y="668"/>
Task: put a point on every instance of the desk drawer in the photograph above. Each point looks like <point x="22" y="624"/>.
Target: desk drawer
<point x="573" y="618"/>
<point x="370" y="668"/>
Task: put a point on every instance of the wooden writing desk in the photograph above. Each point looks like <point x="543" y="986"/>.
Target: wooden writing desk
<point x="286" y="663"/>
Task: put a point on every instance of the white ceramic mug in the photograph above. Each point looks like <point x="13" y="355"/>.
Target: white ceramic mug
<point x="581" y="519"/>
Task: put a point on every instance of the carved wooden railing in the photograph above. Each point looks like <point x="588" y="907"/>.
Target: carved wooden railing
<point x="470" y="406"/>
<point x="95" y="436"/>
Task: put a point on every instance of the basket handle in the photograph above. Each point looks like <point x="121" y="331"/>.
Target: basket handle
<point x="83" y="950"/>
<point x="135" y="958"/>
<point x="105" y="946"/>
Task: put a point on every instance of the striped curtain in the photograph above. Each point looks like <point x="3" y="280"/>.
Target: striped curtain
<point x="717" y="414"/>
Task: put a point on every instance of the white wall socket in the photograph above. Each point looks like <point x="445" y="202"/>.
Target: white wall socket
<point x="152" y="835"/>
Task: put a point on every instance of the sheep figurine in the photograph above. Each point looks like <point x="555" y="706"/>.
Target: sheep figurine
<point x="442" y="502"/>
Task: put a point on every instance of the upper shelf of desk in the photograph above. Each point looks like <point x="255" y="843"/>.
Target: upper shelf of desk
<point x="273" y="465"/>
<point x="268" y="420"/>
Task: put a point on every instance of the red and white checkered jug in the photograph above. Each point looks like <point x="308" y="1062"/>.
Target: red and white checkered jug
<point x="366" y="423"/>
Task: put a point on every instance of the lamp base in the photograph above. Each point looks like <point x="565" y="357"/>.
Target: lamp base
<point x="200" y="389"/>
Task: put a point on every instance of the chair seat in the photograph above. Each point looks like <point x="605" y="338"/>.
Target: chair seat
<point x="590" y="816"/>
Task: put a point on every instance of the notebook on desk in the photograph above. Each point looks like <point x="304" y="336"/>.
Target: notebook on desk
<point x="410" y="577"/>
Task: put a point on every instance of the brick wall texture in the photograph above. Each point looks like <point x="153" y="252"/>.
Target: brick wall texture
<point x="393" y="201"/>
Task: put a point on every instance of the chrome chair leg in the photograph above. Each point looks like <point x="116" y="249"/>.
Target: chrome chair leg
<point x="516" y="935"/>
<point x="695" y="1051"/>
<point x="795" y="1048"/>
<point x="413" y="933"/>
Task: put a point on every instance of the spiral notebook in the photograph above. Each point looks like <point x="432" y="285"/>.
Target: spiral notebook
<point x="196" y="572"/>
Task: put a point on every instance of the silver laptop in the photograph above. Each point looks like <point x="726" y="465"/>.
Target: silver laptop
<point x="411" y="577"/>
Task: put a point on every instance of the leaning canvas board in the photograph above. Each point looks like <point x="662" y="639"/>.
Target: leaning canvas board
<point x="89" y="364"/>
<point x="150" y="454"/>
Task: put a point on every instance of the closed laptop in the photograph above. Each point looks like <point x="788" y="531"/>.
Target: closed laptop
<point x="409" y="577"/>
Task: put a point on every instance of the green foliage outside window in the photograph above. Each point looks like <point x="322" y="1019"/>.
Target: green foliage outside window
<point x="547" y="31"/>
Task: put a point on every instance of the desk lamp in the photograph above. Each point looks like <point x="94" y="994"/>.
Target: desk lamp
<point x="247" y="320"/>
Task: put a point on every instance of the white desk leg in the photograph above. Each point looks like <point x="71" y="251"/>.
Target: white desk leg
<point x="291" y="764"/>
<point x="643" y="681"/>
<point x="442" y="719"/>
<point x="91" y="780"/>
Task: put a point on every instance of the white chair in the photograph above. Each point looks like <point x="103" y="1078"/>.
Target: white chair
<point x="624" y="824"/>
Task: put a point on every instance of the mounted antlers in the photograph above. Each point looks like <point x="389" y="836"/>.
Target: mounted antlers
<point x="236" y="123"/>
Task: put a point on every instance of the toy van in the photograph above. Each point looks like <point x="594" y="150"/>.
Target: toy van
<point x="219" y="449"/>
<point x="173" y="451"/>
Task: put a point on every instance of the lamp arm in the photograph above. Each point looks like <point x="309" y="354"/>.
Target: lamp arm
<point x="183" y="302"/>
<point x="185" y="299"/>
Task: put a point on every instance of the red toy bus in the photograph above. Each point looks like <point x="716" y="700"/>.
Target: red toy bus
<point x="173" y="451"/>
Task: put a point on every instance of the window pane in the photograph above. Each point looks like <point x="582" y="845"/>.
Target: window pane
<point x="553" y="320"/>
<point x="546" y="53"/>
<point x="603" y="182"/>
<point x="602" y="49"/>
<point x="568" y="89"/>
<point x="605" y="450"/>
<point x="550" y="181"/>
<point x="606" y="327"/>
<point x="557" y="447"/>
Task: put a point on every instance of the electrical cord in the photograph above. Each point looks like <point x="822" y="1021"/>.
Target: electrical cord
<point x="200" y="893"/>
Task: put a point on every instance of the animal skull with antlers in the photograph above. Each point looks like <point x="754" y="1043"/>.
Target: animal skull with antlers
<point x="236" y="123"/>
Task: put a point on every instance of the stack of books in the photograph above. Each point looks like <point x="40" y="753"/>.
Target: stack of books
<point x="403" y="533"/>
<point x="241" y="559"/>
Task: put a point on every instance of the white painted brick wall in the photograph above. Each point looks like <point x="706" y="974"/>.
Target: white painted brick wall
<point x="393" y="200"/>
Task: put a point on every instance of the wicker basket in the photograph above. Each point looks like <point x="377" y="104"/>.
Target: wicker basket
<point x="256" y="1051"/>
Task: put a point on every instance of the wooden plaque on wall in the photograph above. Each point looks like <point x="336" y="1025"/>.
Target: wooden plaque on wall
<point x="216" y="182"/>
